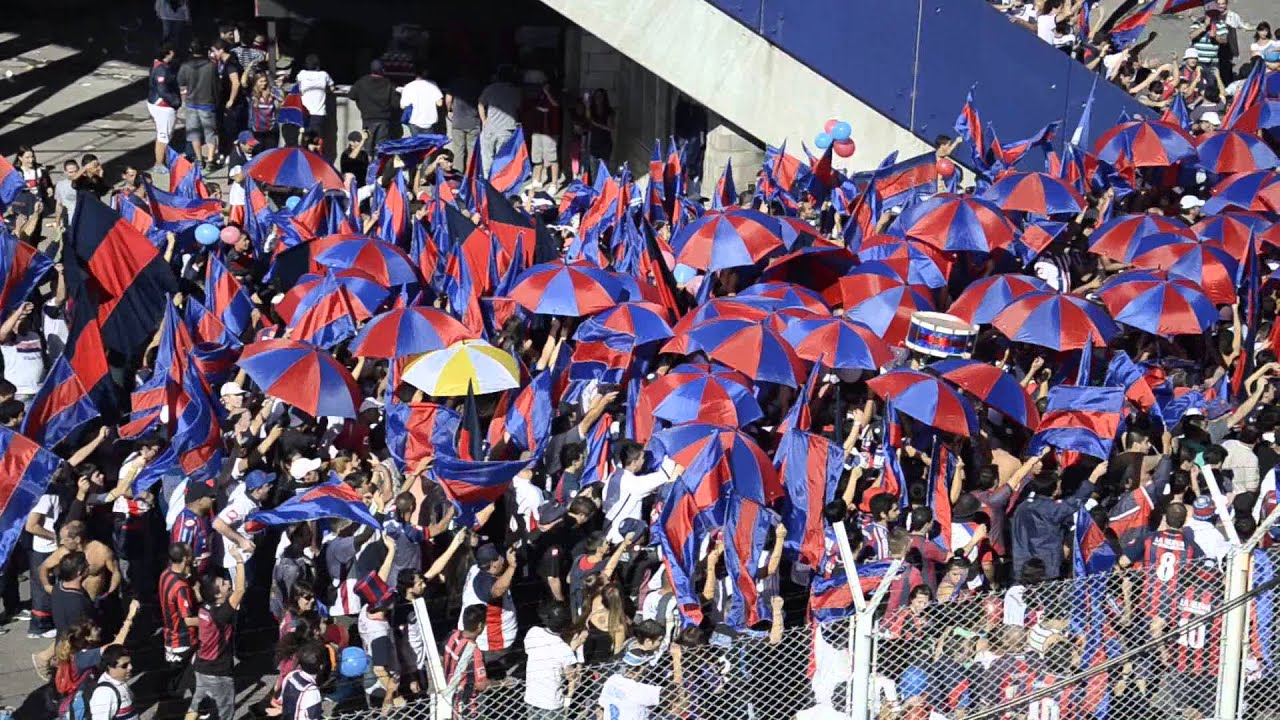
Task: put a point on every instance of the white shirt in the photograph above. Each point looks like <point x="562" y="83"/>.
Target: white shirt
<point x="1243" y="464"/>
<point x="104" y="704"/>
<point x="51" y="508"/>
<point x="549" y="656"/>
<point x="235" y="194"/>
<point x="1045" y="25"/>
<point x="239" y="506"/>
<point x="24" y="363"/>
<point x="1208" y="538"/>
<point x="633" y="489"/>
<point x="625" y="699"/>
<point x="312" y="85"/>
<point x="529" y="498"/>
<point x="422" y="95"/>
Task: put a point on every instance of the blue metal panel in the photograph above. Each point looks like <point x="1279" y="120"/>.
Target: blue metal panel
<point x="914" y="60"/>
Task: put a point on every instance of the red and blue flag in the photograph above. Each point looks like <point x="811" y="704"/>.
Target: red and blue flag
<point x="472" y="484"/>
<point x="1080" y="419"/>
<point x="11" y="183"/>
<point x="1127" y="31"/>
<point x="185" y="179"/>
<point x="330" y="499"/>
<point x="511" y="168"/>
<point x="173" y="213"/>
<point x="416" y="431"/>
<point x="810" y="467"/>
<point x="59" y="408"/>
<point x="746" y="527"/>
<point x="25" y="472"/>
<point x="227" y="298"/>
<point x="195" y="449"/>
<point x="22" y="267"/>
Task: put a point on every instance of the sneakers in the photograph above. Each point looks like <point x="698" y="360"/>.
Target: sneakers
<point x="22" y="615"/>
<point x="46" y="635"/>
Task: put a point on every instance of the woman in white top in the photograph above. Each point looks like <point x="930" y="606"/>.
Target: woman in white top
<point x="1263" y="40"/>
<point x="315" y="85"/>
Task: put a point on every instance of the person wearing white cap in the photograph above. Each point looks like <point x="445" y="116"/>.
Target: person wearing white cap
<point x="1190" y="205"/>
<point x="232" y="396"/>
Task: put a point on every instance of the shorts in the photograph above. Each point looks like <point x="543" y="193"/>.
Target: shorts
<point x="202" y="125"/>
<point x="1193" y="692"/>
<point x="542" y="149"/>
<point x="219" y="690"/>
<point x="165" y="118"/>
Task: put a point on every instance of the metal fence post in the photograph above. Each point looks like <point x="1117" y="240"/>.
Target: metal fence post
<point x="1234" y="630"/>
<point x="860" y="681"/>
<point x="440" y="706"/>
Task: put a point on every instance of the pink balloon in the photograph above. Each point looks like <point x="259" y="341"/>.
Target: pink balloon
<point x="844" y="148"/>
<point x="945" y="168"/>
<point x="230" y="234"/>
<point x="830" y="124"/>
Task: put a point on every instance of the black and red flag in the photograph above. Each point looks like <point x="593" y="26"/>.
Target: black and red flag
<point x="118" y="283"/>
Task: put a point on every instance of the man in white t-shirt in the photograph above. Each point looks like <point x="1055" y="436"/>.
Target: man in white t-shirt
<point x="551" y="661"/>
<point x="314" y="85"/>
<point x="624" y="697"/>
<point x="23" y="353"/>
<point x="41" y="524"/>
<point x="243" y="501"/>
<point x="423" y="97"/>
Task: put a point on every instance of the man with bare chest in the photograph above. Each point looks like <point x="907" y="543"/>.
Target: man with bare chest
<point x="103" y="576"/>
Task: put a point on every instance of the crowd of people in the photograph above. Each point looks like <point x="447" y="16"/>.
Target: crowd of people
<point x="625" y="525"/>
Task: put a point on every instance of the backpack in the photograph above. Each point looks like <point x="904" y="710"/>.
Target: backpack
<point x="75" y="706"/>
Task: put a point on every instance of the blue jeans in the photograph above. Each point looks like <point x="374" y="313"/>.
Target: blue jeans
<point x="41" y="601"/>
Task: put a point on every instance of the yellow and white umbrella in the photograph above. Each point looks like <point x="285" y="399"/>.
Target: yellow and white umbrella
<point x="470" y="363"/>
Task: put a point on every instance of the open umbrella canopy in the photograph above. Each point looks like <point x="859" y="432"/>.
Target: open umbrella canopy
<point x="983" y="300"/>
<point x="381" y="260"/>
<point x="1157" y="304"/>
<point x="1036" y="192"/>
<point x="838" y="342"/>
<point x="755" y="348"/>
<point x="1056" y="321"/>
<point x="916" y="262"/>
<point x="991" y="385"/>
<point x="1258" y="191"/>
<point x="1234" y="231"/>
<point x="738" y="307"/>
<point x="408" y="331"/>
<point x="301" y="375"/>
<point x="956" y="223"/>
<point x="367" y="294"/>
<point x="567" y="289"/>
<point x="743" y="462"/>
<point x="786" y="295"/>
<point x="1206" y="264"/>
<point x="1227" y="152"/>
<point x="732" y="238"/>
<point x="293" y="167"/>
<point x="816" y="267"/>
<point x="1118" y="237"/>
<point x="796" y="233"/>
<point x="928" y="399"/>
<point x="626" y="326"/>
<point x="473" y="365"/>
<point x="875" y="296"/>
<point x="708" y="398"/>
<point x="1145" y="143"/>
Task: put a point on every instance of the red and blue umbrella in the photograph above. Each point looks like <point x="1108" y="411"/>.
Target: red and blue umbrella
<point x="408" y="331"/>
<point x="733" y="238"/>
<point x="928" y="399"/>
<point x="816" y="267"/>
<point x="1270" y="235"/>
<point x="838" y="342"/>
<point x="1035" y="192"/>
<point x="786" y="295"/>
<point x="1236" y="232"/>
<point x="796" y="233"/>
<point x="880" y="300"/>
<point x="367" y="294"/>
<point x="626" y="326"/>
<point x="1145" y="143"/>
<point x="1206" y="264"/>
<point x="744" y="465"/>
<point x="918" y="263"/>
<point x="738" y="307"/>
<point x="1056" y="321"/>
<point x="709" y="398"/>
<point x="303" y="376"/>
<point x="983" y="300"/>
<point x="293" y="167"/>
<point x="1117" y="237"/>
<point x="1227" y="152"/>
<point x="1159" y="305"/>
<point x="754" y="348"/>
<point x="957" y="223"/>
<point x="572" y="290"/>
<point x="1258" y="191"/>
<point x="998" y="389"/>
<point x="381" y="260"/>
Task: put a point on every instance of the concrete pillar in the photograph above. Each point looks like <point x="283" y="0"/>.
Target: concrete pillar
<point x="727" y="143"/>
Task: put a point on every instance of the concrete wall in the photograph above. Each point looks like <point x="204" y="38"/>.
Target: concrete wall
<point x="722" y="64"/>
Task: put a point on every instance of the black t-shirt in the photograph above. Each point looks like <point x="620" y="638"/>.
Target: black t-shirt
<point x="358" y="165"/>
<point x="382" y="653"/>
<point x="70" y="606"/>
<point x="227" y="68"/>
<point x="483" y="586"/>
<point x="95" y="184"/>
<point x="215" y="655"/>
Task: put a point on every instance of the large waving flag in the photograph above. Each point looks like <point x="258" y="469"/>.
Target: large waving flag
<point x="969" y="127"/>
<point x="942" y="467"/>
<point x="528" y="420"/>
<point x="904" y="182"/>
<point x="226" y="297"/>
<point x="810" y="467"/>
<point x="177" y="214"/>
<point x="746" y="527"/>
<point x="118" y="283"/>
<point x="471" y="485"/>
<point x="511" y="168"/>
<point x="325" y="316"/>
<point x="25" y="472"/>
<point x="60" y="407"/>
<point x="416" y="431"/>
<point x="330" y="499"/>
<point x="1008" y="156"/>
<point x="680" y="528"/>
<point x="1080" y="419"/>
<point x="185" y="179"/>
<point x="1127" y="31"/>
<point x="195" y="450"/>
<point x="726" y="193"/>
<point x="1250" y="94"/>
<point x="11" y="182"/>
<point x="393" y="215"/>
<point x="22" y="267"/>
<point x="303" y="222"/>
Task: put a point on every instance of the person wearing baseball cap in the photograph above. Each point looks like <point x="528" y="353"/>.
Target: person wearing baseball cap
<point x="193" y="524"/>
<point x="243" y="502"/>
<point x="488" y="583"/>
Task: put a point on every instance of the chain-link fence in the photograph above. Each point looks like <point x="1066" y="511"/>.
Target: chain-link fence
<point x="1132" y="644"/>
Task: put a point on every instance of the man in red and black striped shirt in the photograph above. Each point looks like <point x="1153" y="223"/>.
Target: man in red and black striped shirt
<point x="464" y="663"/>
<point x="178" y="612"/>
<point x="1192" y="657"/>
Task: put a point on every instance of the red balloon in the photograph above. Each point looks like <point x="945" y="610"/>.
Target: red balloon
<point x="945" y="168"/>
<point x="830" y="124"/>
<point x="843" y="148"/>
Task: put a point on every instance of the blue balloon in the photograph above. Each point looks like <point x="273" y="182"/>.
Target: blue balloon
<point x="353" y="662"/>
<point x="292" y="202"/>
<point x="842" y="131"/>
<point x="206" y="234"/>
<point x="823" y="140"/>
